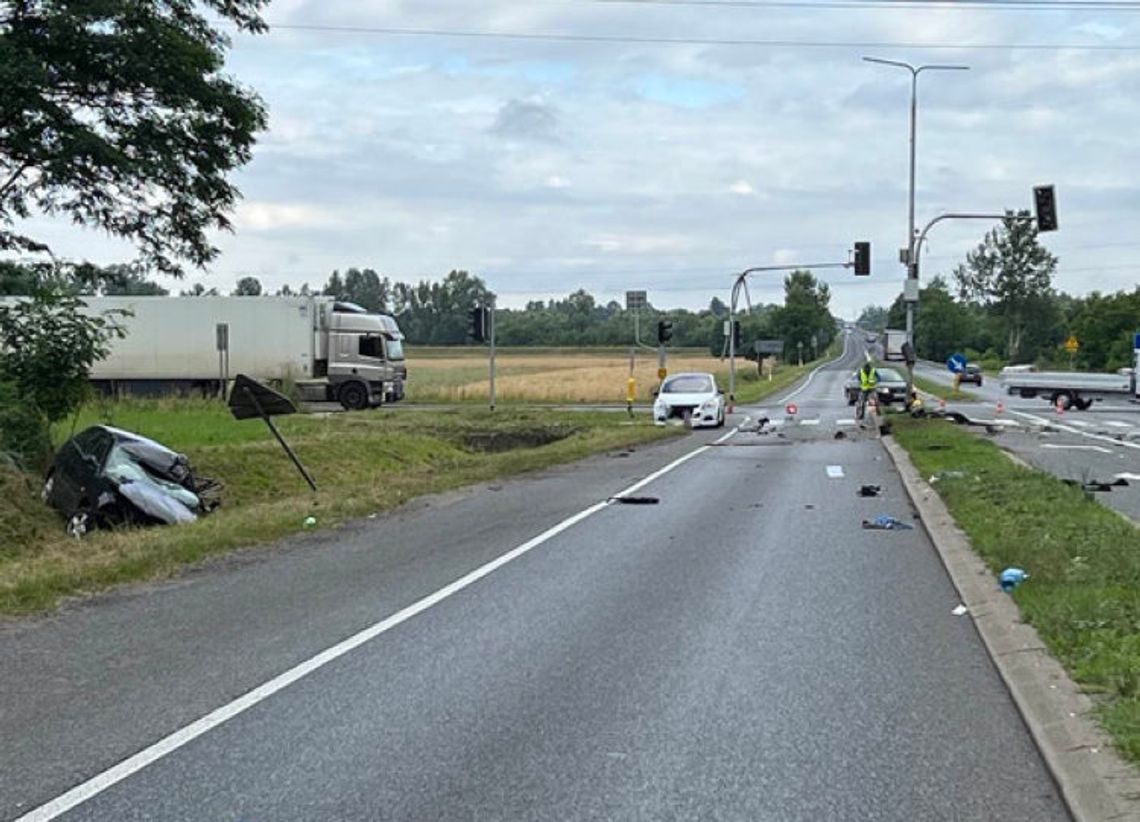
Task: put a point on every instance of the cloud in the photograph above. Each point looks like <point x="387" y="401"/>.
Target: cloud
<point x="545" y="165"/>
<point x="527" y="120"/>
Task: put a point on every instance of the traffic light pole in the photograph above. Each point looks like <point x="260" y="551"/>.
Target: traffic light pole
<point x="741" y="284"/>
<point x="491" y="322"/>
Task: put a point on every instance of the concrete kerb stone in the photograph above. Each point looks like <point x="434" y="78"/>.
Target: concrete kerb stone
<point x="1095" y="782"/>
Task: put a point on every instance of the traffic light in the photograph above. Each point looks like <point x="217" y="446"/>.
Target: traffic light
<point x="477" y="325"/>
<point x="1045" y="203"/>
<point x="862" y="259"/>
<point x="664" y="331"/>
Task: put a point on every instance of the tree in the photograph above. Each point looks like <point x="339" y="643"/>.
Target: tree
<point x="47" y="347"/>
<point x="248" y="287"/>
<point x="199" y="290"/>
<point x="873" y="318"/>
<point x="941" y="326"/>
<point x="805" y="313"/>
<point x="117" y="116"/>
<point x="1011" y="274"/>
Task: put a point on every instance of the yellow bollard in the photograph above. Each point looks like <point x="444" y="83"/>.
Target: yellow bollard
<point x="630" y="393"/>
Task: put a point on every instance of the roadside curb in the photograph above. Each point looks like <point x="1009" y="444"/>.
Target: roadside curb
<point x="1097" y="785"/>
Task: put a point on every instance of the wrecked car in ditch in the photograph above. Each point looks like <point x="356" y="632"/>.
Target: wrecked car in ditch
<point x="104" y="477"/>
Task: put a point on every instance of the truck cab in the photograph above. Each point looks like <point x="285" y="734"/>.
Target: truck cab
<point x="365" y="358"/>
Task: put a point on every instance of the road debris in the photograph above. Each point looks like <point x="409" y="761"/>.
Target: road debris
<point x="887" y="523"/>
<point x="635" y="500"/>
<point x="961" y="610"/>
<point x="839" y="435"/>
<point x="1097" y="485"/>
<point x="870" y="490"/>
<point x="941" y="475"/>
<point x="1010" y="578"/>
<point x="310" y="522"/>
<point x="835" y="471"/>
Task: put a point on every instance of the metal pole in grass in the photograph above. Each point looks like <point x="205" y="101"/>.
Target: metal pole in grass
<point x="491" y="322"/>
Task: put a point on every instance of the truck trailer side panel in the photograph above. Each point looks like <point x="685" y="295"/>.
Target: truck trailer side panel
<point x="175" y="338"/>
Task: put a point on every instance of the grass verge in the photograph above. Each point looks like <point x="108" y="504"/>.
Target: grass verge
<point x="944" y="392"/>
<point x="364" y="463"/>
<point x="1083" y="596"/>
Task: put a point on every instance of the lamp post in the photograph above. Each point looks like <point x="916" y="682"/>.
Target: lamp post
<point x="912" y="268"/>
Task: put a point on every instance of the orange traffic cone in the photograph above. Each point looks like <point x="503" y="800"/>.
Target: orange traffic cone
<point x="1060" y="407"/>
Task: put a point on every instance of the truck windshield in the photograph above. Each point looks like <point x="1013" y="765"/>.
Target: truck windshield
<point x="395" y="349"/>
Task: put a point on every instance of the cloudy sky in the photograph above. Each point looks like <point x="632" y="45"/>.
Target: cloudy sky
<point x="547" y="145"/>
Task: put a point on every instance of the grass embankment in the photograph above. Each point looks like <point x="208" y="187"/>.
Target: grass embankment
<point x="522" y="376"/>
<point x="363" y="463"/>
<point x="1083" y="595"/>
<point x="944" y="392"/>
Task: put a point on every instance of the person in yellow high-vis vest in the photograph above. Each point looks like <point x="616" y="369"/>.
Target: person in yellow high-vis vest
<point x="868" y="382"/>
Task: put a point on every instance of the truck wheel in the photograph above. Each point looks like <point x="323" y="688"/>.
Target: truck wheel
<point x="353" y="396"/>
<point x="1083" y="405"/>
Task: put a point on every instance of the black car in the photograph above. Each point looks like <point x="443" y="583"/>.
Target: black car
<point x="973" y="373"/>
<point x="104" y="477"/>
<point x="890" y="386"/>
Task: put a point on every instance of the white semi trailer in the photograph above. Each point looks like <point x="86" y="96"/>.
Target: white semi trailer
<point x="330" y="350"/>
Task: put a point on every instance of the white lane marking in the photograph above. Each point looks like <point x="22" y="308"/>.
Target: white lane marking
<point x="1081" y="423"/>
<point x="725" y="437"/>
<point x="1059" y="447"/>
<point x="1117" y="424"/>
<point x="817" y="369"/>
<point x="809" y="422"/>
<point x="835" y="471"/>
<point x="845" y="422"/>
<point x="1086" y="434"/>
<point x="168" y="744"/>
<point x="1127" y="476"/>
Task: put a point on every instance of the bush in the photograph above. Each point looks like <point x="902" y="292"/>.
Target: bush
<point x="25" y="437"/>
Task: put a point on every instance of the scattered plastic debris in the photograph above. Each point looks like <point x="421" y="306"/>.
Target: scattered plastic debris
<point x="870" y="490"/>
<point x="1097" y="485"/>
<point x="839" y="435"/>
<point x="1010" y="578"/>
<point x="961" y="610"/>
<point x="941" y="475"/>
<point x="635" y="500"/>
<point x="887" y="523"/>
<point x="310" y="521"/>
<point x="835" y="471"/>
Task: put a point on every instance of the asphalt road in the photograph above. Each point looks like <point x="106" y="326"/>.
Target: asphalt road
<point x="1102" y="443"/>
<point x="741" y="650"/>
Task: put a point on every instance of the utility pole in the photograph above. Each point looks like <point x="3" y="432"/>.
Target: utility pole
<point x="910" y="290"/>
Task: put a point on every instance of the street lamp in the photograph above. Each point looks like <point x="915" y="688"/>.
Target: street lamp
<point x="912" y="270"/>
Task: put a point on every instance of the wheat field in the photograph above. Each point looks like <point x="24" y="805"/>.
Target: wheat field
<point x="564" y="377"/>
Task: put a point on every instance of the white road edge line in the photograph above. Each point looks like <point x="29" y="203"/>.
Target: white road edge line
<point x="1059" y="447"/>
<point x="168" y="744"/>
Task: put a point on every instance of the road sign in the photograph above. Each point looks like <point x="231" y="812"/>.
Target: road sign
<point x="1071" y="344"/>
<point x="635" y="301"/>
<point x="956" y="364"/>
<point x="769" y="346"/>
<point x="662" y="373"/>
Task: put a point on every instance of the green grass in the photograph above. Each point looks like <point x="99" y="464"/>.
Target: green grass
<point x="364" y="463"/>
<point x="1083" y="595"/>
<point x="944" y="392"/>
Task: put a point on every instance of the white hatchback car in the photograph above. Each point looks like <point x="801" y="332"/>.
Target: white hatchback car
<point x="693" y="398"/>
